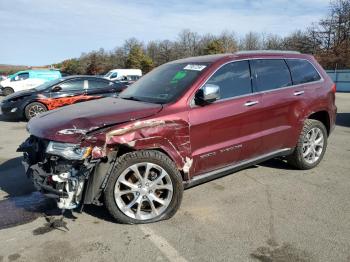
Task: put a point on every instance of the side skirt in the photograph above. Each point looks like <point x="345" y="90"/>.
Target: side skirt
<point x="203" y="178"/>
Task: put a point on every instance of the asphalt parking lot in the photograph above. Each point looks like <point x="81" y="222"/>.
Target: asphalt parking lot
<point x="269" y="212"/>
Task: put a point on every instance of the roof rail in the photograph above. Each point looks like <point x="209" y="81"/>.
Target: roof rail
<point x="266" y="52"/>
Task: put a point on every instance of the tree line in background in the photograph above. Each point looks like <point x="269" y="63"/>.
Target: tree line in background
<point x="328" y="40"/>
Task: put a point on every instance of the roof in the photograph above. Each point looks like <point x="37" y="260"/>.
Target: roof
<point x="238" y="55"/>
<point x="83" y="76"/>
<point x="37" y="70"/>
<point x="203" y="59"/>
<point x="278" y="52"/>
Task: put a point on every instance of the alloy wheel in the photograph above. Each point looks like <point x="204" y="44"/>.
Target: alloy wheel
<point x="35" y="110"/>
<point x="143" y="191"/>
<point x="313" y="145"/>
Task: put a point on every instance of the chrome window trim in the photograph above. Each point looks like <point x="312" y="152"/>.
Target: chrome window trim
<point x="193" y="105"/>
<point x="250" y="52"/>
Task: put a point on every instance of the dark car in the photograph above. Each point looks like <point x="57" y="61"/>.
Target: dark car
<point x="184" y="123"/>
<point x="57" y="93"/>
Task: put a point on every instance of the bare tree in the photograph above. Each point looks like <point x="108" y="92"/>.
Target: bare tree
<point x="251" y="41"/>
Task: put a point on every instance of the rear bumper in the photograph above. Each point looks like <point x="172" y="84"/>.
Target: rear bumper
<point x="333" y="120"/>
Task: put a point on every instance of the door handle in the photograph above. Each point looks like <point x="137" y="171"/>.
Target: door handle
<point x="298" y="93"/>
<point x="251" y="103"/>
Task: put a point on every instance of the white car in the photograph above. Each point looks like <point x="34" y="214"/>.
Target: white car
<point x="122" y="74"/>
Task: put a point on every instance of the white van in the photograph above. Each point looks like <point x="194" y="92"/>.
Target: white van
<point x="27" y="79"/>
<point x="122" y="74"/>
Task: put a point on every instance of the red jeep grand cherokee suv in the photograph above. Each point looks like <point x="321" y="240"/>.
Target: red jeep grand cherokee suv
<point x="184" y="123"/>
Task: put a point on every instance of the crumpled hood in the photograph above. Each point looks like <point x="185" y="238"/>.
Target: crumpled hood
<point x="70" y="123"/>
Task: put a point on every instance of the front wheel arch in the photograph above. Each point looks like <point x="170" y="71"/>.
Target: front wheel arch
<point x="323" y="117"/>
<point x="26" y="108"/>
<point x="11" y="90"/>
<point x="297" y="159"/>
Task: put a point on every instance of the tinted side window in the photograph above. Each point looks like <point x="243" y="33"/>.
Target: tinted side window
<point x="20" y="77"/>
<point x="302" y="71"/>
<point x="96" y="84"/>
<point x="113" y="75"/>
<point x="233" y="79"/>
<point x="119" y="86"/>
<point x="73" y="85"/>
<point x="23" y="76"/>
<point x="133" y="78"/>
<point x="270" y="74"/>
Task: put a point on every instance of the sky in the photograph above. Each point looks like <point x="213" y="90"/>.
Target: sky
<point x="41" y="32"/>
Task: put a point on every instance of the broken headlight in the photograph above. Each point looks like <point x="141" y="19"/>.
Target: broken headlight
<point x="68" y="151"/>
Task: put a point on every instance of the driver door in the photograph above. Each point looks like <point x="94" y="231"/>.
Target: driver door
<point x="21" y="82"/>
<point x="226" y="131"/>
<point x="71" y="91"/>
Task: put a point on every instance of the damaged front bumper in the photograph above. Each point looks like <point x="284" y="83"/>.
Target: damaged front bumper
<point x="68" y="181"/>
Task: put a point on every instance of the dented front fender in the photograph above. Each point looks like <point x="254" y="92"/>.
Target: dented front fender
<point x="170" y="135"/>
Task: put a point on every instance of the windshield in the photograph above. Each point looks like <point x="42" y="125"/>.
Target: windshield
<point x="108" y="74"/>
<point x="165" y="83"/>
<point x="48" y="84"/>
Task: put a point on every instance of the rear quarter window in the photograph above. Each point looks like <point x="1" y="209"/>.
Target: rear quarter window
<point x="302" y="71"/>
<point x="269" y="74"/>
<point x="99" y="83"/>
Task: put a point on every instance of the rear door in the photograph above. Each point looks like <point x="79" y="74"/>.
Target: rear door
<point x="282" y="103"/>
<point x="102" y="87"/>
<point x="226" y="131"/>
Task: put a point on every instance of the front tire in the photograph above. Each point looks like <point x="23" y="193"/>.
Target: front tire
<point x="311" y="145"/>
<point x="144" y="187"/>
<point x="34" y="109"/>
<point x="7" y="91"/>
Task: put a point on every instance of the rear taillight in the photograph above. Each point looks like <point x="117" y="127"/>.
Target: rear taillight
<point x="334" y="88"/>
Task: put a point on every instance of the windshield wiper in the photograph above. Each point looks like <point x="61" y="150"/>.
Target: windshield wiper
<point x="140" y="100"/>
<point x="131" y="98"/>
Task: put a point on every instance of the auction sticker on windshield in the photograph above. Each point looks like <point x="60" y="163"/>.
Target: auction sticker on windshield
<point x="195" y="67"/>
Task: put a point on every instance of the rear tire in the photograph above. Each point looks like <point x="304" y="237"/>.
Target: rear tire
<point x="7" y="91"/>
<point x="135" y="197"/>
<point x="34" y="109"/>
<point x="311" y="146"/>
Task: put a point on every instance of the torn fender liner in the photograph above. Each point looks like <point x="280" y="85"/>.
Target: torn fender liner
<point x="187" y="165"/>
<point x="98" y="179"/>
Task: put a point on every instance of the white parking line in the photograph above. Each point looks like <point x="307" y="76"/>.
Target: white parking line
<point x="163" y="245"/>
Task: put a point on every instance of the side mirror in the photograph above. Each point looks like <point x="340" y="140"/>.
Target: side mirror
<point x="207" y="94"/>
<point x="56" y="89"/>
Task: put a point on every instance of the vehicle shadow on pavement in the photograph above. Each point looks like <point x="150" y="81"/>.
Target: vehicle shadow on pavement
<point x="99" y="212"/>
<point x="277" y="163"/>
<point x="4" y="118"/>
<point x="343" y="119"/>
<point x="19" y="204"/>
<point x="13" y="179"/>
